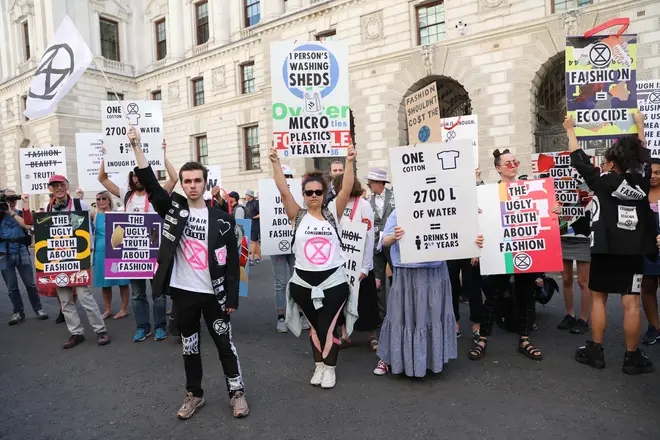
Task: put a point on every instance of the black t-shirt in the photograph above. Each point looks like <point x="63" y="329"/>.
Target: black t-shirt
<point x="252" y="208"/>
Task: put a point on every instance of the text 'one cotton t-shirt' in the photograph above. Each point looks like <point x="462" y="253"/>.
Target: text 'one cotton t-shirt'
<point x="191" y="262"/>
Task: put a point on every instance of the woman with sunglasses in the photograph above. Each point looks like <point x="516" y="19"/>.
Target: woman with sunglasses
<point x="318" y="284"/>
<point x="103" y="205"/>
<point x="494" y="286"/>
<point x="623" y="231"/>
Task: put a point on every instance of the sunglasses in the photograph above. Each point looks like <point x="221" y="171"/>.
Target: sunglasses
<point x="311" y="192"/>
<point x="98" y="199"/>
<point x="512" y="164"/>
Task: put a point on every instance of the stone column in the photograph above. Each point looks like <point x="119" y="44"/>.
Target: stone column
<point x="220" y="23"/>
<point x="271" y="9"/>
<point x="174" y="26"/>
<point x="236" y="18"/>
<point x="4" y="59"/>
<point x="294" y="5"/>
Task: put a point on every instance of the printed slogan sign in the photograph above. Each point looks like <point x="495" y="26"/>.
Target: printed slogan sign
<point x="601" y="85"/>
<point x="276" y="229"/>
<point x="521" y="234"/>
<point x="242" y="231"/>
<point x="353" y="240"/>
<point x="89" y="154"/>
<point x="38" y="165"/>
<point x="648" y="102"/>
<point x="573" y="194"/>
<point x="116" y="119"/>
<point x="423" y="116"/>
<point x="462" y="127"/>
<point x="62" y="249"/>
<point x="131" y="245"/>
<point x="311" y="116"/>
<point x="214" y="179"/>
<point x="436" y="201"/>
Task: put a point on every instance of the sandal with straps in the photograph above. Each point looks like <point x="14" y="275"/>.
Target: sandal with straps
<point x="477" y="351"/>
<point x="529" y="350"/>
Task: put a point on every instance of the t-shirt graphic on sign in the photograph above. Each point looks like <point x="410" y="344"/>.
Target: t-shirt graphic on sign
<point x="448" y="159"/>
<point x="191" y="271"/>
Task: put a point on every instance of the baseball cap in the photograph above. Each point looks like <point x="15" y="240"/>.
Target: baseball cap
<point x="234" y="195"/>
<point x="249" y="192"/>
<point x="57" y="178"/>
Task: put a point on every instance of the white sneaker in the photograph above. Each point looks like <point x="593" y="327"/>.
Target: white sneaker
<point x="305" y="323"/>
<point x="318" y="374"/>
<point x="381" y="369"/>
<point x="281" y="326"/>
<point x="329" y="378"/>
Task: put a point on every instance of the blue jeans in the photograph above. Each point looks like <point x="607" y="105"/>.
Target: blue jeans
<point x="282" y="271"/>
<point x="21" y="261"/>
<point x="141" y="307"/>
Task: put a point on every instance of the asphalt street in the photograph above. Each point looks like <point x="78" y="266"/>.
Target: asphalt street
<point x="132" y="390"/>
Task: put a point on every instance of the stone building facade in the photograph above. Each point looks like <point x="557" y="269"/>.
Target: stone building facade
<point x="209" y="62"/>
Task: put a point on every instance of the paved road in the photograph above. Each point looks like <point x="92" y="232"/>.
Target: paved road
<point x="132" y="391"/>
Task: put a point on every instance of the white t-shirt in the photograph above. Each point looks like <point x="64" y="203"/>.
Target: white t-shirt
<point x="136" y="202"/>
<point x="317" y="246"/>
<point x="191" y="261"/>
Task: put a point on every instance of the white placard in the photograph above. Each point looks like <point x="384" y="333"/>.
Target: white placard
<point x="38" y="165"/>
<point x="436" y="201"/>
<point x="648" y="102"/>
<point x="89" y="153"/>
<point x="462" y="127"/>
<point x="214" y="179"/>
<point x="353" y="240"/>
<point x="310" y="110"/>
<point x="276" y="229"/>
<point x="147" y="116"/>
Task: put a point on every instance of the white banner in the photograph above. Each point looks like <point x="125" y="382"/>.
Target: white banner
<point x="276" y="229"/>
<point x="460" y="128"/>
<point x="214" y="179"/>
<point x="116" y="119"/>
<point x="648" y="102"/>
<point x="353" y="240"/>
<point x="310" y="110"/>
<point x="89" y="153"/>
<point x="38" y="165"/>
<point x="436" y="201"/>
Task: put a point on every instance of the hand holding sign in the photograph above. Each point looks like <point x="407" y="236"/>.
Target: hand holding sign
<point x="80" y="194"/>
<point x="164" y="146"/>
<point x="134" y="136"/>
<point x="351" y="153"/>
<point x="398" y="233"/>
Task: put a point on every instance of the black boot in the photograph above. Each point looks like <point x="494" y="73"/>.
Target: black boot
<point x="60" y="318"/>
<point x="591" y="354"/>
<point x="636" y="362"/>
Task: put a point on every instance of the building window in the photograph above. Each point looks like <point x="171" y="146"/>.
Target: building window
<point x="24" y="100"/>
<point x="566" y="5"/>
<point x="109" y="39"/>
<point x="202" y="149"/>
<point x="327" y="36"/>
<point x="113" y="97"/>
<point x="26" y="40"/>
<point x="161" y="40"/>
<point x="431" y="22"/>
<point x="247" y="75"/>
<point x="252" y="12"/>
<point x="156" y="95"/>
<point x="162" y="175"/>
<point x="251" y="139"/>
<point x="202" y="22"/>
<point x="198" y="91"/>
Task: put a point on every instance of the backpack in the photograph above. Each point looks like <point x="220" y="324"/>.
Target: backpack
<point x="77" y="206"/>
<point x="544" y="294"/>
<point x="326" y="215"/>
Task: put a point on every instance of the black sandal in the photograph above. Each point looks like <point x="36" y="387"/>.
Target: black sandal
<point x="477" y="351"/>
<point x="529" y="350"/>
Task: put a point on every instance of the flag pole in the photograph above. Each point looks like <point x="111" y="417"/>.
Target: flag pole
<point x="106" y="79"/>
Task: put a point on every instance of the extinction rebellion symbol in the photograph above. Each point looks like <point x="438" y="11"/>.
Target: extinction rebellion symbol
<point x="62" y="280"/>
<point x="56" y="65"/>
<point x="522" y="261"/>
<point x="600" y="55"/>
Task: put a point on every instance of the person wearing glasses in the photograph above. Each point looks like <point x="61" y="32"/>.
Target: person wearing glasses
<point x="651" y="277"/>
<point x="318" y="284"/>
<point x="104" y="204"/>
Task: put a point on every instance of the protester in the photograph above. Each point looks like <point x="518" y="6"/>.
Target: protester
<point x="651" y="277"/>
<point x="135" y="199"/>
<point x="252" y="209"/>
<point x="63" y="202"/>
<point x="336" y="169"/>
<point x="198" y="267"/>
<point x="237" y="210"/>
<point x="382" y="203"/>
<point x="104" y="204"/>
<point x="15" y="240"/>
<point x="318" y="285"/>
<point x="218" y="200"/>
<point x="357" y="209"/>
<point x="623" y="231"/>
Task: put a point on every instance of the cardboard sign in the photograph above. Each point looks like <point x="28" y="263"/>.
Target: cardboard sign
<point x="276" y="228"/>
<point x="572" y="192"/>
<point x="38" y="165"/>
<point x="648" y="102"/>
<point x="353" y="240"/>
<point x="436" y="196"/>
<point x="89" y="154"/>
<point x="601" y="85"/>
<point x="62" y="249"/>
<point x="460" y="128"/>
<point x="131" y="245"/>
<point x="242" y="231"/>
<point x="116" y="119"/>
<point x="311" y="114"/>
<point x="521" y="234"/>
<point x="423" y="116"/>
<point x="214" y="179"/>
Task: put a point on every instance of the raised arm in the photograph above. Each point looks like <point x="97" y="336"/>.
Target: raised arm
<point x="106" y="182"/>
<point x="160" y="199"/>
<point x="27" y="214"/>
<point x="290" y="205"/>
<point x="347" y="182"/>
<point x="580" y="160"/>
<point x="172" y="177"/>
<point x="233" y="266"/>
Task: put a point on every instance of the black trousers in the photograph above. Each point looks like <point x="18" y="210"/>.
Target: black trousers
<point x="495" y="286"/>
<point x="471" y="287"/>
<point x="190" y="306"/>
<point x="324" y="320"/>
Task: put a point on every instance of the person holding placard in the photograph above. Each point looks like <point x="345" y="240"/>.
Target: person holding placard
<point x="135" y="199"/>
<point x="651" y="277"/>
<point x="623" y="231"/>
<point x="318" y="284"/>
